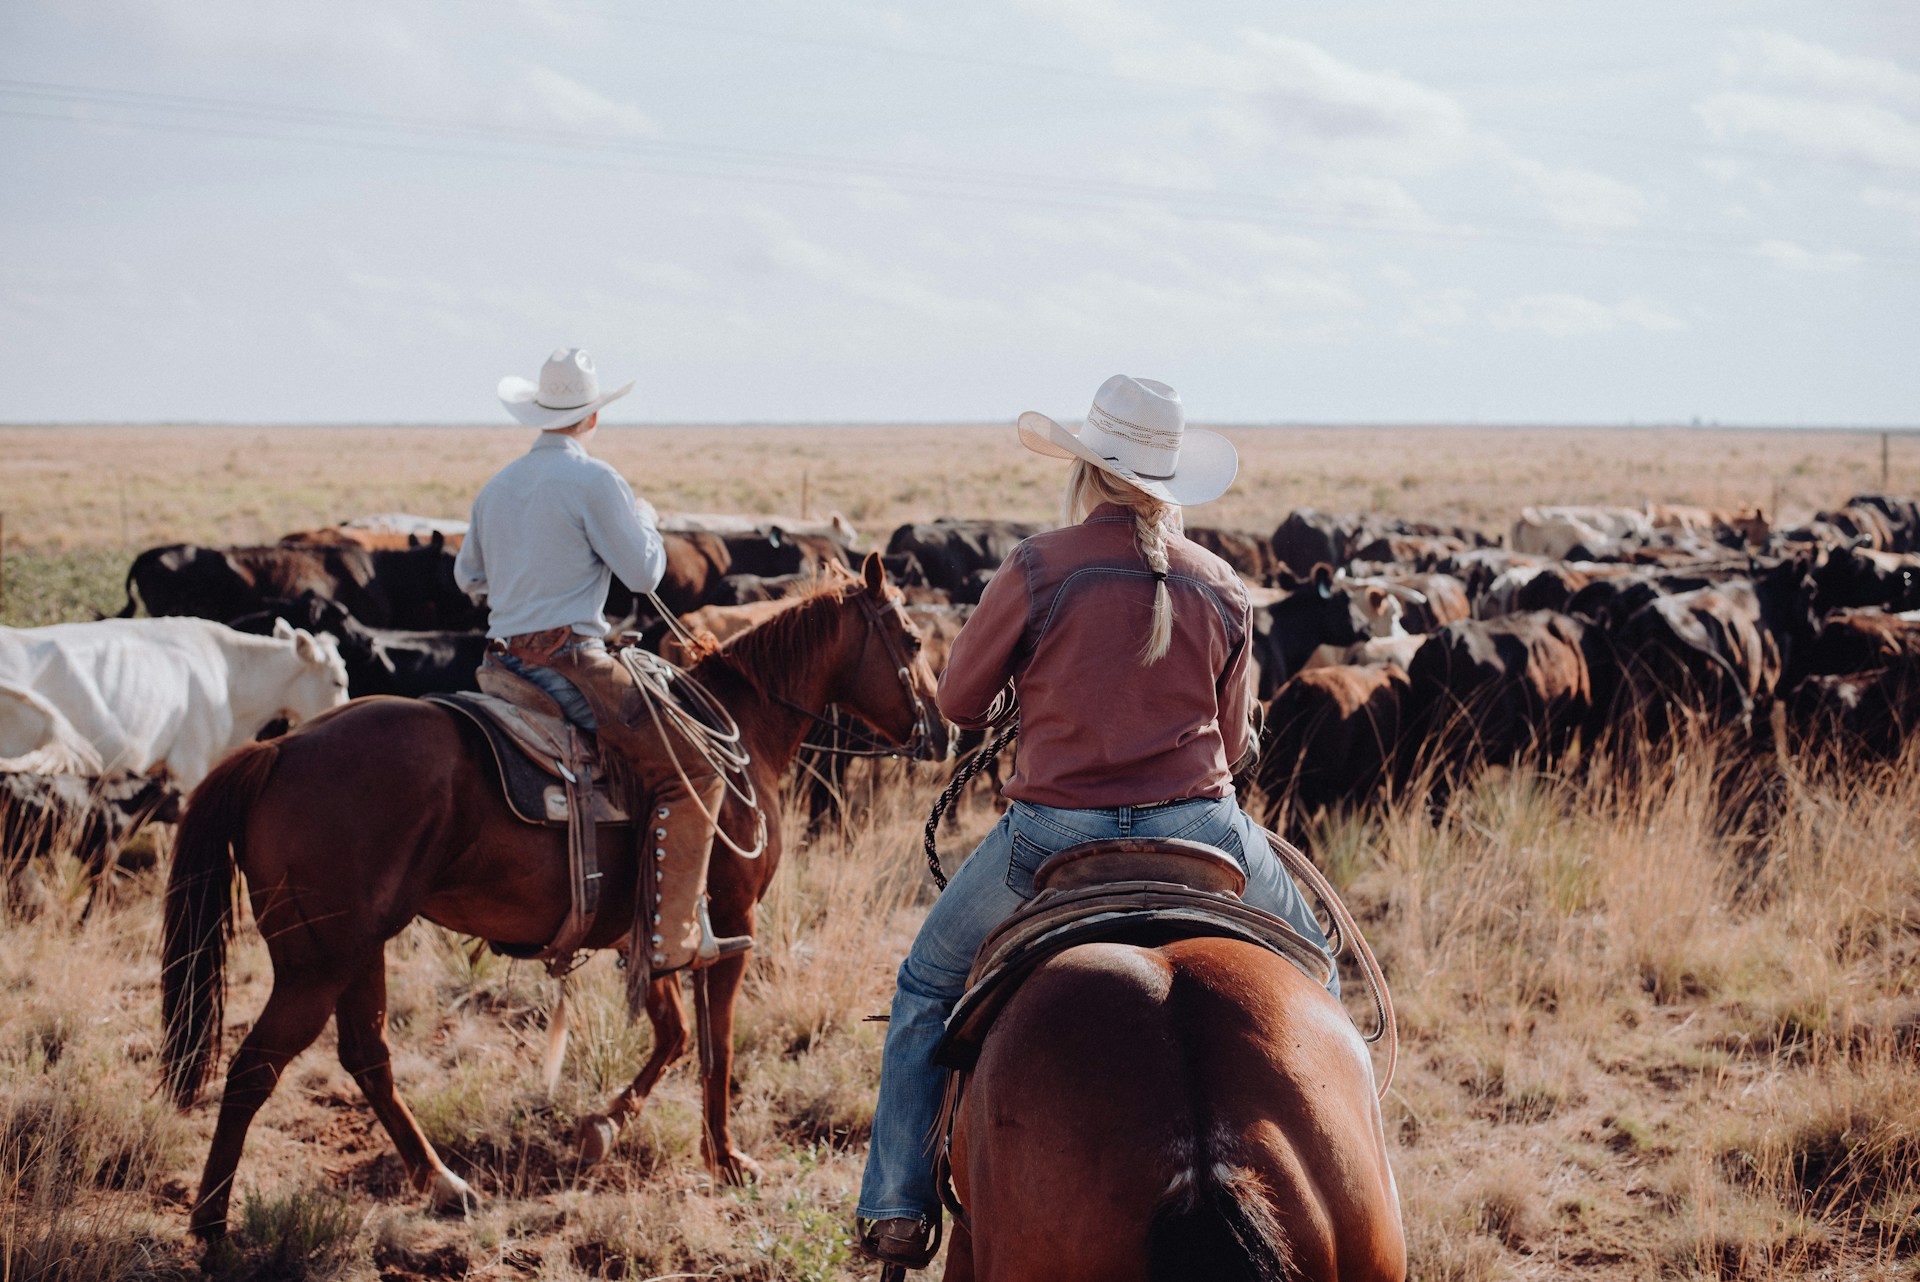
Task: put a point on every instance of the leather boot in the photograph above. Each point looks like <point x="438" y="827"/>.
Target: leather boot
<point x="677" y="797"/>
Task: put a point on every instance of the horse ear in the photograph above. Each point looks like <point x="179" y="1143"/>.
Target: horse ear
<point x="874" y="573"/>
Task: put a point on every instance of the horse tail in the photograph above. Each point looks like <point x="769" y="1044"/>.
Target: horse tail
<point x="1215" y="1224"/>
<point x="199" y="919"/>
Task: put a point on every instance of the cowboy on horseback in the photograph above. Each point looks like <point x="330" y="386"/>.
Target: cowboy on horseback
<point x="1127" y="646"/>
<point x="548" y="532"/>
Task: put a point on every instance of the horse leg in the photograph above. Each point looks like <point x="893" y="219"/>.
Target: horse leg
<point x="360" y="1018"/>
<point x="716" y="1143"/>
<point x="597" y="1132"/>
<point x="959" y="1254"/>
<point x="295" y="1013"/>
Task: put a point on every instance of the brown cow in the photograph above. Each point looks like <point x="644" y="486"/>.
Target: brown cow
<point x="1250" y="555"/>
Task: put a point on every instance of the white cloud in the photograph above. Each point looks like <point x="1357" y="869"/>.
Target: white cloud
<point x="1778" y="56"/>
<point x="1793" y="257"/>
<point x="1580" y="199"/>
<point x="1570" y="315"/>
<point x="548" y="98"/>
<point x="856" y="277"/>
<point x="1286" y="90"/>
<point x="1365" y="198"/>
<point x="1859" y="132"/>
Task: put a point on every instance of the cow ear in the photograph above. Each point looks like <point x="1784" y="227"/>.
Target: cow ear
<point x="1323" y="579"/>
<point x="282" y="630"/>
<point x="439" y="542"/>
<point x="1376" y="599"/>
<point x="306" y="647"/>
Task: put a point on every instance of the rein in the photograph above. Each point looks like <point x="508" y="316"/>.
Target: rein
<point x="922" y="733"/>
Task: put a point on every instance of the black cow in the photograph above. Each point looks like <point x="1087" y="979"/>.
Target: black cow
<point x="1314" y="612"/>
<point x="1850" y="577"/>
<point x="1483" y="692"/>
<point x="952" y="552"/>
<point x="93" y="819"/>
<point x="381" y="660"/>
<point x="406" y="588"/>
<point x="776" y="552"/>
<point x="1331" y="736"/>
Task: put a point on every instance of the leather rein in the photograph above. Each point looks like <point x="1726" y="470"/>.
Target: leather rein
<point x="922" y="733"/>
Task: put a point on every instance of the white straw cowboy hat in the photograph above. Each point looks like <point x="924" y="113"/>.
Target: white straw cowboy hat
<point x="567" y="392"/>
<point x="1137" y="431"/>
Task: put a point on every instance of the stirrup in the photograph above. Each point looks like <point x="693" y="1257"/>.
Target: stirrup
<point x="900" y="1242"/>
<point x="715" y="947"/>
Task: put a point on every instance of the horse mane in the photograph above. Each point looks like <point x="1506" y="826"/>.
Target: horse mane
<point x="762" y="656"/>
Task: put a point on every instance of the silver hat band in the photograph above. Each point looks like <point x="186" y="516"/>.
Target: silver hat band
<point x="1156" y="438"/>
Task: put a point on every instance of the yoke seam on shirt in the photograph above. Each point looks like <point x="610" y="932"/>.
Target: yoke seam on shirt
<point x="1212" y="596"/>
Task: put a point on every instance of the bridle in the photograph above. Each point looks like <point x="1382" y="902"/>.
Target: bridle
<point x="875" y="623"/>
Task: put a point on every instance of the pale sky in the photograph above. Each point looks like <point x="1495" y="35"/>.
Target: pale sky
<point x="370" y="210"/>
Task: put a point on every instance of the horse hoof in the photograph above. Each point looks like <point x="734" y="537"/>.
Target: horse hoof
<point x="452" y="1196"/>
<point x="739" y="1169"/>
<point x="596" y="1135"/>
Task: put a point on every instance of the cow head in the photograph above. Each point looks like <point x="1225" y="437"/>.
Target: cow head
<point x="318" y="680"/>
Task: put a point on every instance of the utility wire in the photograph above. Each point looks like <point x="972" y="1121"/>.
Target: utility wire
<point x="478" y="140"/>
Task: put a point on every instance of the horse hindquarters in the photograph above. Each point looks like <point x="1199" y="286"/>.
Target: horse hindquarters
<point x="1199" y="1110"/>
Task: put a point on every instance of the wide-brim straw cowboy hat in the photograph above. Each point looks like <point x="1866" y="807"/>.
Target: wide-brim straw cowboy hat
<point x="568" y="391"/>
<point x="1137" y="431"/>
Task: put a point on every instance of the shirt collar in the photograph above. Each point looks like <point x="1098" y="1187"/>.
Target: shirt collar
<point x="557" y="441"/>
<point x="1109" y="512"/>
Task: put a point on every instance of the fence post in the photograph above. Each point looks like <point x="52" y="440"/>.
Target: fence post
<point x="1884" y="437"/>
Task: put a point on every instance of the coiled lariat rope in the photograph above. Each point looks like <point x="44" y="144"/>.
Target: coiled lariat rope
<point x="714" y="734"/>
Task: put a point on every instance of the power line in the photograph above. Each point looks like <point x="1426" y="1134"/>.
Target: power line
<point x="479" y="140"/>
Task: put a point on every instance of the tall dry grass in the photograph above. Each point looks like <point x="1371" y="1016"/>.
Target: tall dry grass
<point x="1640" y="1042"/>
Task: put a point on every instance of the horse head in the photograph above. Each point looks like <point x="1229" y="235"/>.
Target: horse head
<point x="888" y="683"/>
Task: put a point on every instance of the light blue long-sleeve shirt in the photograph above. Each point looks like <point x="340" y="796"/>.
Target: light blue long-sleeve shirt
<point x="548" y="532"/>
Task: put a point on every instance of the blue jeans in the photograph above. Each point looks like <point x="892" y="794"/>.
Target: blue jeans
<point x="564" y="692"/>
<point x="987" y="889"/>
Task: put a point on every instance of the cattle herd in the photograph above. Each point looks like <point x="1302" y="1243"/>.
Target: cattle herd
<point x="1386" y="650"/>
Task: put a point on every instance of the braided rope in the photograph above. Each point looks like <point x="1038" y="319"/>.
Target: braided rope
<point x="1010" y="716"/>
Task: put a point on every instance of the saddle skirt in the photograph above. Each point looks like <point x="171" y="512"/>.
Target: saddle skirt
<point x="1125" y="890"/>
<point x="536" y="750"/>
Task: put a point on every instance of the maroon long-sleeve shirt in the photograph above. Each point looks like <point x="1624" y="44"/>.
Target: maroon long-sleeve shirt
<point x="1065" y="618"/>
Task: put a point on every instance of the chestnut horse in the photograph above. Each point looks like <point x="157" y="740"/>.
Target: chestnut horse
<point x="389" y="809"/>
<point x="1199" y="1109"/>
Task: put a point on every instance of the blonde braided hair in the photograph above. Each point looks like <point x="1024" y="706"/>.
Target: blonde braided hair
<point x="1087" y="488"/>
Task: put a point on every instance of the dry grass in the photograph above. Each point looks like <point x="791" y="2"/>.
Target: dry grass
<point x="1636" y="1045"/>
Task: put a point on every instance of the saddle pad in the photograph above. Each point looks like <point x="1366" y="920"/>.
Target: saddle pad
<point x="1144" y="913"/>
<point x="531" y="786"/>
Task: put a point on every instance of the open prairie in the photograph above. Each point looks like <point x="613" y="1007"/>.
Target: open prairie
<point x="1640" y="1039"/>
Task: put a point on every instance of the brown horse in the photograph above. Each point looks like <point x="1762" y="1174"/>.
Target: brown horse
<point x="387" y="809"/>
<point x="1197" y="1110"/>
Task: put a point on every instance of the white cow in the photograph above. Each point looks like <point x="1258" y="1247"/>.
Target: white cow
<point x="1604" y="531"/>
<point x="177" y="694"/>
